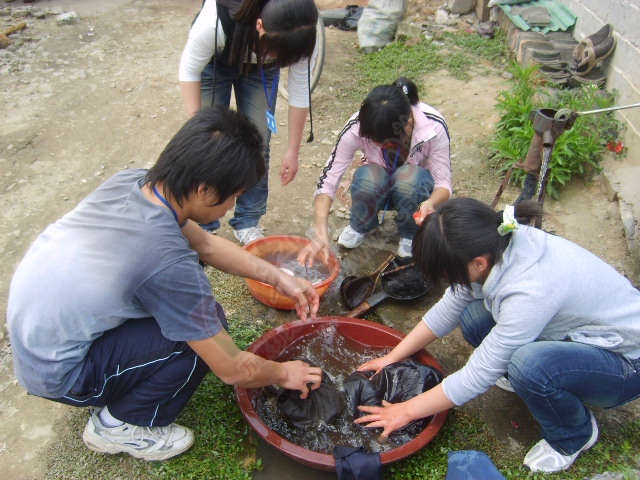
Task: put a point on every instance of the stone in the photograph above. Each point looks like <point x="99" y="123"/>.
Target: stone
<point x="461" y="6"/>
<point x="68" y="18"/>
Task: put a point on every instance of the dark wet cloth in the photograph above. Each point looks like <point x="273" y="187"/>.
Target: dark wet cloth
<point x="357" y="464"/>
<point x="397" y="382"/>
<point x="313" y="420"/>
<point x="323" y="405"/>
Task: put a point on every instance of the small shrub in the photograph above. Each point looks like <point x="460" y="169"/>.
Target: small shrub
<point x="577" y="152"/>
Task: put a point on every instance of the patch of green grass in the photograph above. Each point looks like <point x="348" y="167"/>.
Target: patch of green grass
<point x="492" y="49"/>
<point x="458" y="65"/>
<point x="223" y="448"/>
<point x="456" y="52"/>
<point x="395" y="60"/>
<point x="615" y="452"/>
<point x="460" y="432"/>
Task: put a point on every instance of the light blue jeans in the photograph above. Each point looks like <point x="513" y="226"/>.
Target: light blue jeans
<point x="373" y="189"/>
<point x="251" y="100"/>
<point x="557" y="378"/>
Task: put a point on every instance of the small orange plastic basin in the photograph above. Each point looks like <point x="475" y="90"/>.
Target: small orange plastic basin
<point x="285" y="248"/>
<point x="370" y="334"/>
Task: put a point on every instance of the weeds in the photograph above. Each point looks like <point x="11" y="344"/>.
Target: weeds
<point x="493" y="49"/>
<point x="577" y="152"/>
<point x="455" y="52"/>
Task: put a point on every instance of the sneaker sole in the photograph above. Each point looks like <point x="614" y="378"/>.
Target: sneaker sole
<point x="590" y="443"/>
<point x="111" y="448"/>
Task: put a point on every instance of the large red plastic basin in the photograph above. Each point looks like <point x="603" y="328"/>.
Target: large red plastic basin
<point x="272" y="343"/>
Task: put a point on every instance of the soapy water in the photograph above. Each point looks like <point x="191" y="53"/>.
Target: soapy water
<point x="316" y="274"/>
<point x="338" y="356"/>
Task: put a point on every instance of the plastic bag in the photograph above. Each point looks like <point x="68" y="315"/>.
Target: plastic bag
<point x="378" y="23"/>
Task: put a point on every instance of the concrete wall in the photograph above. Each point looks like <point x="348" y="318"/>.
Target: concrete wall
<point x="623" y="75"/>
<point x="624" y="65"/>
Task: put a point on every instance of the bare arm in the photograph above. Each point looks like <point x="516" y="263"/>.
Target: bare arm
<point x="229" y="257"/>
<point x="320" y="243"/>
<point x="191" y="97"/>
<point x="236" y="367"/>
<point x="296" y="121"/>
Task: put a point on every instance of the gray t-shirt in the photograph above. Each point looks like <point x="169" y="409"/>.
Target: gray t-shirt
<point x="115" y="257"/>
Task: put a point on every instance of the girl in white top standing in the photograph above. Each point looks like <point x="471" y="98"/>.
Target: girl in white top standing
<point x="243" y="44"/>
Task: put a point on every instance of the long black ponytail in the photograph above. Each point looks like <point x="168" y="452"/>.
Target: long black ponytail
<point x="461" y="230"/>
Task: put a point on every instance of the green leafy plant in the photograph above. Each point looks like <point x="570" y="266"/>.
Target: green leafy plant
<point x="577" y="152"/>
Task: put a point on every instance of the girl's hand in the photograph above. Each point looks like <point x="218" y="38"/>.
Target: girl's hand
<point x="289" y="167"/>
<point x="317" y="247"/>
<point x="374" y="365"/>
<point x="425" y="209"/>
<point x="389" y="417"/>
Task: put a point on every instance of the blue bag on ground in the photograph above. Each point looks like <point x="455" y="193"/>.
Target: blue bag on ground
<point x="471" y="465"/>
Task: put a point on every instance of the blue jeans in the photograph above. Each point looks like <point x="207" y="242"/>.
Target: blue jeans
<point x="250" y="100"/>
<point x="556" y="379"/>
<point x="373" y="189"/>
<point x="144" y="378"/>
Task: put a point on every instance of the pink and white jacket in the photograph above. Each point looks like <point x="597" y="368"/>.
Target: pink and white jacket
<point x="430" y="149"/>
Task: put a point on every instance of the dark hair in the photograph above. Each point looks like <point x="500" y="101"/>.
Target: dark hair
<point x="217" y="147"/>
<point x="386" y="111"/>
<point x="459" y="231"/>
<point x="408" y="88"/>
<point x="290" y="31"/>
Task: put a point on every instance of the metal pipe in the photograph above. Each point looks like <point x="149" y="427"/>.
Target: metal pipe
<point x="609" y="109"/>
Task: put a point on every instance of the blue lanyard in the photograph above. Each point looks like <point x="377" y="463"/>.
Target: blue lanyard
<point x="168" y="205"/>
<point x="270" y="95"/>
<point x="385" y="154"/>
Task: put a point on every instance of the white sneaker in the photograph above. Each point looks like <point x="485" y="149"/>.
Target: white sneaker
<point x="504" y="383"/>
<point x="404" y="247"/>
<point x="349" y="238"/>
<point x="147" y="443"/>
<point x="248" y="235"/>
<point x="544" y="458"/>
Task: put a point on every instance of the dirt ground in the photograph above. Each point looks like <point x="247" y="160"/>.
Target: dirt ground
<point x="84" y="100"/>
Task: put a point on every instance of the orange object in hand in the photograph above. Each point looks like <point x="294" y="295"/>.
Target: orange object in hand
<point x="416" y="216"/>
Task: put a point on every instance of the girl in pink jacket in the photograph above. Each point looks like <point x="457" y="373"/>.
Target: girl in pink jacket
<point x="405" y="166"/>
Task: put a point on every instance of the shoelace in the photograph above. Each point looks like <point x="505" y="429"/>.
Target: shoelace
<point x="157" y="434"/>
